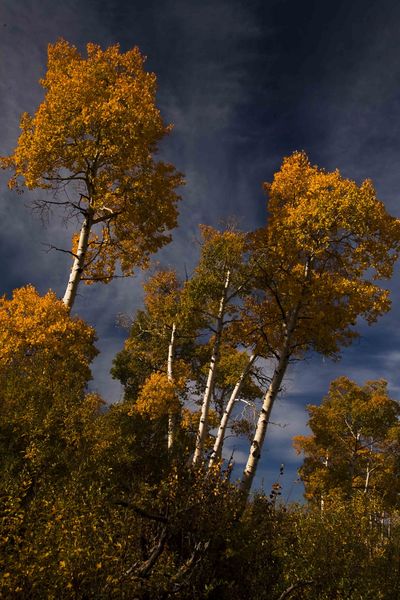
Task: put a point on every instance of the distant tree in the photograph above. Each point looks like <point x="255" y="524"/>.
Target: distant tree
<point x="316" y="263"/>
<point x="346" y="551"/>
<point x="94" y="137"/>
<point x="355" y="443"/>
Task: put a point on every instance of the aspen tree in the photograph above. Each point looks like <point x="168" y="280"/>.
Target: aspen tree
<point x="355" y="443"/>
<point x="164" y="305"/>
<point x="326" y="243"/>
<point x="93" y="140"/>
<point x="45" y="361"/>
<point x="218" y="281"/>
<point x="223" y="425"/>
<point x="155" y="364"/>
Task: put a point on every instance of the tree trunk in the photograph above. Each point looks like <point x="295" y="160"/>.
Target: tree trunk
<point x="79" y="262"/>
<point x="322" y="503"/>
<point x="262" y="424"/>
<point x="272" y="392"/>
<point x="203" y="425"/>
<point x="171" y="416"/>
<point x="219" y="441"/>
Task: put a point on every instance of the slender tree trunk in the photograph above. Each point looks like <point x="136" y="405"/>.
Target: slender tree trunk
<point x="326" y="464"/>
<point x="171" y="416"/>
<point x="366" y="486"/>
<point x="263" y="420"/>
<point x="219" y="441"/>
<point x="203" y="425"/>
<point x="79" y="261"/>
<point x="272" y="392"/>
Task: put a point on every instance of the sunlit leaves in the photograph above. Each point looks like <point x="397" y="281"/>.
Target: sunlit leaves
<point x="95" y="134"/>
<point x="326" y="241"/>
<point x="354" y="443"/>
<point x="157" y="398"/>
<point x="44" y="368"/>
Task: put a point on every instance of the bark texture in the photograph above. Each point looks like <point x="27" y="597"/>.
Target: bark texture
<point x="171" y="417"/>
<point x="79" y="262"/>
<point x="208" y="393"/>
<point x="219" y="440"/>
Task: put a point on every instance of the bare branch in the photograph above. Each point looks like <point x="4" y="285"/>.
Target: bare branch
<point x="299" y="584"/>
<point x="51" y="247"/>
<point x="105" y="278"/>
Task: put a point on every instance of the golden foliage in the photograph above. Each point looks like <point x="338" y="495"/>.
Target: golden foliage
<point x="354" y="443"/>
<point x="326" y="243"/>
<point x="191" y="418"/>
<point x="36" y="328"/>
<point x="158" y="397"/>
<point x="44" y="368"/>
<point x="162" y="297"/>
<point x="221" y="252"/>
<point x="97" y="130"/>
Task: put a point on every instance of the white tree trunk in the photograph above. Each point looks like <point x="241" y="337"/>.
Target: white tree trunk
<point x="171" y="416"/>
<point x="326" y="464"/>
<point x="272" y="392"/>
<point x="368" y="475"/>
<point x="203" y="424"/>
<point x="219" y="440"/>
<point x="79" y="262"/>
<point x="262" y="424"/>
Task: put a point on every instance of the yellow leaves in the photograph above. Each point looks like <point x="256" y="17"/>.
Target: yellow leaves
<point x="191" y="418"/>
<point x="351" y="447"/>
<point x="157" y="398"/>
<point x="30" y="324"/>
<point x="326" y="243"/>
<point x="45" y="357"/>
<point x="98" y="128"/>
<point x="316" y="211"/>
<point x="163" y="297"/>
<point x="106" y="98"/>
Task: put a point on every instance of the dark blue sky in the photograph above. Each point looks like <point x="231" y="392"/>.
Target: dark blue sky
<point x="245" y="83"/>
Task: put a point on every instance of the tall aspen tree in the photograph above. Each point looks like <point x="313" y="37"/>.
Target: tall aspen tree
<point x="317" y="261"/>
<point x="93" y="140"/>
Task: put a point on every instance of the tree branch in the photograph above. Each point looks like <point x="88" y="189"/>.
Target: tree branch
<point x="299" y="584"/>
<point x="51" y="247"/>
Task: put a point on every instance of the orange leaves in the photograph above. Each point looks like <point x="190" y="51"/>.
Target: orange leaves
<point x="31" y="324"/>
<point x="43" y="352"/>
<point x="326" y="242"/>
<point x="319" y="212"/>
<point x="96" y="132"/>
<point x="354" y="445"/>
<point x="163" y="297"/>
<point x="158" y="397"/>
<point x="45" y="357"/>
